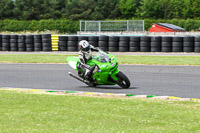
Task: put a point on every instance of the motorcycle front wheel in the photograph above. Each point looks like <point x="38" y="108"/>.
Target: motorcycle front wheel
<point x="123" y="80"/>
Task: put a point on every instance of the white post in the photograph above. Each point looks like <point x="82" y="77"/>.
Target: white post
<point x="127" y="25"/>
<point x="143" y="25"/>
<point x="85" y="25"/>
<point x="80" y="25"/>
<point x="99" y="26"/>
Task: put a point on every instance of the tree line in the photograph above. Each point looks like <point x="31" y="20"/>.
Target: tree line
<point x="99" y="9"/>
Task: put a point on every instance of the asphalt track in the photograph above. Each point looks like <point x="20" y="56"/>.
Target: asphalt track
<point x="179" y="81"/>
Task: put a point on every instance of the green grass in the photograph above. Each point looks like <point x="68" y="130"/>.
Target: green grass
<point x="122" y="59"/>
<point x="33" y="58"/>
<point x="160" y="60"/>
<point x="41" y="113"/>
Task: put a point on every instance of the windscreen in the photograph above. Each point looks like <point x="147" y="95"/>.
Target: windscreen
<point x="102" y="56"/>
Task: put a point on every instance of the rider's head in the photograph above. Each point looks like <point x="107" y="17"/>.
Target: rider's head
<point x="84" y="46"/>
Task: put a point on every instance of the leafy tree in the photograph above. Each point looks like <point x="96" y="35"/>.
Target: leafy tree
<point x="28" y="9"/>
<point x="127" y="8"/>
<point x="6" y="10"/>
<point x="191" y="9"/>
<point x="56" y="8"/>
<point x="99" y="9"/>
<point x="165" y="8"/>
<point x="18" y="9"/>
<point x="38" y="9"/>
<point x="176" y="10"/>
<point x="79" y="9"/>
<point x="196" y="9"/>
<point x="106" y="9"/>
<point x="92" y="9"/>
<point x="149" y="9"/>
<point x="112" y="10"/>
<point x="187" y="10"/>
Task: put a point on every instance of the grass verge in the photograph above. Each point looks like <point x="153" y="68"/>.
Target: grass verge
<point x="122" y="59"/>
<point x="23" y="112"/>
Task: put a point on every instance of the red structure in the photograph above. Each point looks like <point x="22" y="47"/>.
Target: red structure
<point x="199" y="29"/>
<point x="165" y="27"/>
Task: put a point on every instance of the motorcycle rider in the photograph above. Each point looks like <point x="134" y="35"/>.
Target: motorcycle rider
<point x="85" y="54"/>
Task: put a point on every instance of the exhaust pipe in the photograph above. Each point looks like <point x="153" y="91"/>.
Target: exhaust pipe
<point x="78" y="78"/>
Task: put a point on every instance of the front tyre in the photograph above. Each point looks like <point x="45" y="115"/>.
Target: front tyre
<point x="123" y="81"/>
<point x="92" y="84"/>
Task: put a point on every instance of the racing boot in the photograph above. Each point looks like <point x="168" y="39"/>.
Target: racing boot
<point x="88" y="75"/>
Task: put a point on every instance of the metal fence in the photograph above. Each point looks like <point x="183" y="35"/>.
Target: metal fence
<point x="99" y="26"/>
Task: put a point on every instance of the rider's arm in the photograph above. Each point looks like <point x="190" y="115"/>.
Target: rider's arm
<point x="94" y="48"/>
<point x="82" y="60"/>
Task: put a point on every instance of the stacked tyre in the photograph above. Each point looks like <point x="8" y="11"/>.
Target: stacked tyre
<point x="145" y="44"/>
<point x="124" y="44"/>
<point x="103" y="43"/>
<point x="93" y="40"/>
<point x="72" y="43"/>
<point x="0" y="42"/>
<point x="62" y="43"/>
<point x="134" y="44"/>
<point x="13" y="42"/>
<point x="21" y="43"/>
<point x="37" y="42"/>
<point x="166" y="45"/>
<point x="29" y="43"/>
<point x="5" y="42"/>
<point x="113" y="43"/>
<point x="177" y="44"/>
<point x="80" y="38"/>
<point x="197" y="44"/>
<point x="188" y="44"/>
<point x="46" y="42"/>
<point x="156" y="43"/>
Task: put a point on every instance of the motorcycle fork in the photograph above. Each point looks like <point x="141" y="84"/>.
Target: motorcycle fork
<point x="113" y="75"/>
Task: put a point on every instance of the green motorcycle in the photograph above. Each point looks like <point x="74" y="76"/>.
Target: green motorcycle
<point x="105" y="72"/>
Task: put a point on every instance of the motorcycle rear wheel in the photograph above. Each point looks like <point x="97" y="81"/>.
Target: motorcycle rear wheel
<point x="123" y="80"/>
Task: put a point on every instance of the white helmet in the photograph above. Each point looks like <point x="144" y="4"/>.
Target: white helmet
<point x="84" y="46"/>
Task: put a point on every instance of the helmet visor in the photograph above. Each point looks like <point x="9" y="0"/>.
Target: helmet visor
<point x="86" y="49"/>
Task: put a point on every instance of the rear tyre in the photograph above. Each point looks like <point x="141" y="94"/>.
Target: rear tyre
<point x="123" y="81"/>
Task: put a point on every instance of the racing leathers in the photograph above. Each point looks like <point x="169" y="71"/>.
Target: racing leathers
<point x="83" y="58"/>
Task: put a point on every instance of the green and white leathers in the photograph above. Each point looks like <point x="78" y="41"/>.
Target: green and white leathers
<point x="106" y="70"/>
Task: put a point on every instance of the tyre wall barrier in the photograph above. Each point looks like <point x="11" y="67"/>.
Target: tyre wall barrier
<point x="155" y="44"/>
<point x="113" y="44"/>
<point x="145" y="44"/>
<point x="48" y="42"/>
<point x="0" y="42"/>
<point x="166" y="44"/>
<point x="177" y="44"/>
<point x="93" y="40"/>
<point x="135" y="43"/>
<point x="103" y="43"/>
<point x="72" y="43"/>
<point x="197" y="44"/>
<point x="27" y="43"/>
<point x="124" y="44"/>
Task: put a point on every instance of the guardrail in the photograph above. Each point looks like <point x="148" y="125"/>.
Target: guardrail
<point x="128" y="25"/>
